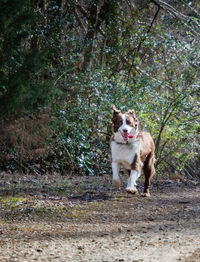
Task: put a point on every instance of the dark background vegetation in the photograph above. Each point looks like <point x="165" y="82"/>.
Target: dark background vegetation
<point x="64" y="63"/>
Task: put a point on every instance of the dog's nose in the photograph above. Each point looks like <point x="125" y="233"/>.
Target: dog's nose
<point x="125" y="130"/>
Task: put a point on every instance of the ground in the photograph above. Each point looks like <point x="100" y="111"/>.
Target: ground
<point x="62" y="218"/>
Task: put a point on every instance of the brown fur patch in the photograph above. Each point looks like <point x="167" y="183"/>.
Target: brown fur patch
<point x="145" y="157"/>
<point x="116" y="120"/>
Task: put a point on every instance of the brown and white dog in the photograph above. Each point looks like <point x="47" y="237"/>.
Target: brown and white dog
<point x="132" y="149"/>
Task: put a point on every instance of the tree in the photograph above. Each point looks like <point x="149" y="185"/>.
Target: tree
<point x="135" y="54"/>
<point x="24" y="79"/>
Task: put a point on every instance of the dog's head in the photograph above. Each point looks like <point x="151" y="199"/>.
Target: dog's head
<point x="125" y="126"/>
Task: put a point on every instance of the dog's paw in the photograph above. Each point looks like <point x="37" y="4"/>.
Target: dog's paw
<point x="147" y="194"/>
<point x="116" y="184"/>
<point x="131" y="190"/>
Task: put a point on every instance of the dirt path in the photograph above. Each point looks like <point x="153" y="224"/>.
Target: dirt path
<point x="83" y="219"/>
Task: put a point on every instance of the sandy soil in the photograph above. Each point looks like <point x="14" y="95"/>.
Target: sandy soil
<point x="54" y="218"/>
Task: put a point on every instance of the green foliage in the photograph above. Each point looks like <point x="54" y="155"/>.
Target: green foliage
<point x="85" y="120"/>
<point x="23" y="65"/>
<point x="81" y="58"/>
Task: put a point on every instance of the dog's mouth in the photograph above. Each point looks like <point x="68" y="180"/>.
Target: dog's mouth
<point x="126" y="135"/>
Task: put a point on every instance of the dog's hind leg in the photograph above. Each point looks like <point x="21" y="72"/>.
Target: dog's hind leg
<point x="115" y="170"/>
<point x="149" y="171"/>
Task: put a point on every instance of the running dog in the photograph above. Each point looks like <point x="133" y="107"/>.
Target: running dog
<point x="132" y="149"/>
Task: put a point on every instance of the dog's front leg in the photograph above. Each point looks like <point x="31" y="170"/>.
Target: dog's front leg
<point x="115" y="170"/>
<point x="131" y="186"/>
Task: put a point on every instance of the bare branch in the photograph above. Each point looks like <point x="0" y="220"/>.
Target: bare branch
<point x="141" y="42"/>
<point x="184" y="18"/>
<point x="80" y="22"/>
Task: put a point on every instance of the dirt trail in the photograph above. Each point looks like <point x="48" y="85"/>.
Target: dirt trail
<point x="84" y="219"/>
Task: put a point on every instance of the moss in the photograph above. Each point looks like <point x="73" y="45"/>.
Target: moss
<point x="2" y="222"/>
<point x="12" y="201"/>
<point x="26" y="228"/>
<point x="79" y="213"/>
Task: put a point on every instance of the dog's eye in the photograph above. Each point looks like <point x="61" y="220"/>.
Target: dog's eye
<point x="128" y="122"/>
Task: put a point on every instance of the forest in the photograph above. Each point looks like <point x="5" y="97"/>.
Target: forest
<point x="63" y="65"/>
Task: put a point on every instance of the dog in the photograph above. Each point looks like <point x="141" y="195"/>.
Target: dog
<point x="132" y="149"/>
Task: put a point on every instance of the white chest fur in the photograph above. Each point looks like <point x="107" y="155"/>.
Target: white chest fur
<point x="124" y="153"/>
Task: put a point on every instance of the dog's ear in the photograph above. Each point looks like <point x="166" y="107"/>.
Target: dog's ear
<point x="116" y="113"/>
<point x="115" y="110"/>
<point x="131" y="112"/>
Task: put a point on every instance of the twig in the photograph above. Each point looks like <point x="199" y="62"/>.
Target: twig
<point x="67" y="151"/>
<point x="141" y="42"/>
<point x="170" y="9"/>
<point x="171" y="165"/>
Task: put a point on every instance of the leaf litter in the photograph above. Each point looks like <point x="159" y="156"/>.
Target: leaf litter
<point x="64" y="218"/>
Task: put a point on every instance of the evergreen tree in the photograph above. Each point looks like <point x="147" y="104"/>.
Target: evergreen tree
<point x="23" y="73"/>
